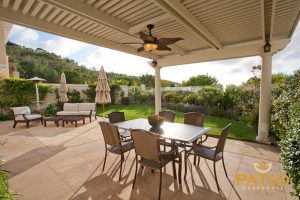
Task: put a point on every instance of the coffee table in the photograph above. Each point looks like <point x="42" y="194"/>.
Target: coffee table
<point x="72" y="119"/>
<point x="54" y="119"/>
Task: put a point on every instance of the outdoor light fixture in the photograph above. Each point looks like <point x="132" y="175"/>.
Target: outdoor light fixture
<point x="152" y="63"/>
<point x="267" y="47"/>
<point x="150" y="46"/>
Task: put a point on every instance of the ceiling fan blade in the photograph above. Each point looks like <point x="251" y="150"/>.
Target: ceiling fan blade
<point x="163" y="48"/>
<point x="145" y="37"/>
<point x="132" y="43"/>
<point x="140" y="49"/>
<point x="168" y="41"/>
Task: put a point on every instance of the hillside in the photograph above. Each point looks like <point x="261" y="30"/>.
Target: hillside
<point x="38" y="62"/>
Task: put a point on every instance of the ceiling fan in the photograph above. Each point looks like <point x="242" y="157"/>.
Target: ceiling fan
<point x="151" y="43"/>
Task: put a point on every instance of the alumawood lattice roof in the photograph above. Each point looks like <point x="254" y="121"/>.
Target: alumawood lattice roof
<point x="212" y="29"/>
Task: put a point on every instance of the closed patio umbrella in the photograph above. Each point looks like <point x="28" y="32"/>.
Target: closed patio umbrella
<point x="102" y="90"/>
<point x="63" y="89"/>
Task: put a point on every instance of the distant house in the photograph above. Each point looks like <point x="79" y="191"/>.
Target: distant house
<point x="40" y="50"/>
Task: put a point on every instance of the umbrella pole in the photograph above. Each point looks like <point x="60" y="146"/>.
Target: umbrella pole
<point x="103" y="111"/>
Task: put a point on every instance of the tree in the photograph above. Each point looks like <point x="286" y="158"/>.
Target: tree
<point x="201" y="80"/>
<point x="148" y="80"/>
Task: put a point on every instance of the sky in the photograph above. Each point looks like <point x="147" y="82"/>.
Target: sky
<point x="233" y="71"/>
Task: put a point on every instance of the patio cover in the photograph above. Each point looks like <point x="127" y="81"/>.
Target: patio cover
<point x="212" y="30"/>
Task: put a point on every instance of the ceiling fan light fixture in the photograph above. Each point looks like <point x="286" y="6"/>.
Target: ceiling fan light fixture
<point x="150" y="46"/>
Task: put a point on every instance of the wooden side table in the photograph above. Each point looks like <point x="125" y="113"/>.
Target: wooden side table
<point x="54" y="119"/>
<point x="72" y="119"/>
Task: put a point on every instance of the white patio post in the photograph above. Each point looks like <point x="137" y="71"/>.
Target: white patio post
<point x="265" y="98"/>
<point x="4" y="69"/>
<point x="157" y="90"/>
<point x="157" y="87"/>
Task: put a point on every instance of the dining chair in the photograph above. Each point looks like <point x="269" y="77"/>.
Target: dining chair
<point x="148" y="154"/>
<point x="214" y="153"/>
<point x="168" y="115"/>
<point x="194" y="118"/>
<point x="116" y="117"/>
<point x="113" y="142"/>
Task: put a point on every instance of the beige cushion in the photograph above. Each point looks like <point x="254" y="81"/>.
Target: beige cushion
<point x="87" y="106"/>
<point x="68" y="113"/>
<point x="29" y="117"/>
<point x="84" y="113"/>
<point x="70" y="106"/>
<point x="21" y="110"/>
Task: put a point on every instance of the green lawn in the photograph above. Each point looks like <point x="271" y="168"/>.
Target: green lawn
<point x="239" y="130"/>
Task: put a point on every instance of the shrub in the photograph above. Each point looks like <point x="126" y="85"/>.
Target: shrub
<point x="4" y="117"/>
<point x="169" y="97"/>
<point x="125" y="100"/>
<point x="18" y="92"/>
<point x="134" y="91"/>
<point x="284" y="98"/>
<point x="191" y="99"/>
<point x="115" y="93"/>
<point x="51" y="110"/>
<point x="74" y="96"/>
<point x="4" y="190"/>
<point x="90" y="93"/>
<point x="290" y="150"/>
<point x="211" y="96"/>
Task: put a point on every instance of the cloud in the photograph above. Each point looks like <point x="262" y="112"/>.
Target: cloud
<point x="31" y="38"/>
<point x="118" y="62"/>
<point x="24" y="36"/>
<point x="63" y="46"/>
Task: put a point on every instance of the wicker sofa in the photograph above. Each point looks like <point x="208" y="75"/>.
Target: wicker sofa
<point x="24" y="115"/>
<point x="79" y="109"/>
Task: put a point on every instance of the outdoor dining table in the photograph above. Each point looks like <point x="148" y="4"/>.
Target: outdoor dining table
<point x="172" y="131"/>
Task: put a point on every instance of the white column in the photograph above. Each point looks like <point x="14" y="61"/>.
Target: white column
<point x="157" y="90"/>
<point x="4" y="70"/>
<point x="265" y="98"/>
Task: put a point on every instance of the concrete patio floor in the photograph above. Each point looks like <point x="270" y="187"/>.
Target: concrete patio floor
<point x="66" y="163"/>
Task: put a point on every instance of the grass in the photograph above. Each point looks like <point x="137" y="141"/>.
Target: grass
<point x="238" y="131"/>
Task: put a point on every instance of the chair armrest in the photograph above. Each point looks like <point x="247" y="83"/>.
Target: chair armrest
<point x="91" y="112"/>
<point x="25" y="117"/>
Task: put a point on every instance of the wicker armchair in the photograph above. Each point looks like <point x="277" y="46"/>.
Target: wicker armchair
<point x="194" y="118"/>
<point x="116" y="117"/>
<point x="168" y="115"/>
<point x="147" y="147"/>
<point x="113" y="142"/>
<point x="215" y="153"/>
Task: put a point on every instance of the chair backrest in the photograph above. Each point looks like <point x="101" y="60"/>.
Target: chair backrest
<point x="146" y="144"/>
<point x="168" y="115"/>
<point x="194" y="118"/>
<point x="222" y="139"/>
<point x="111" y="134"/>
<point x="23" y="110"/>
<point x="86" y="106"/>
<point x="116" y="117"/>
<point x="71" y="107"/>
